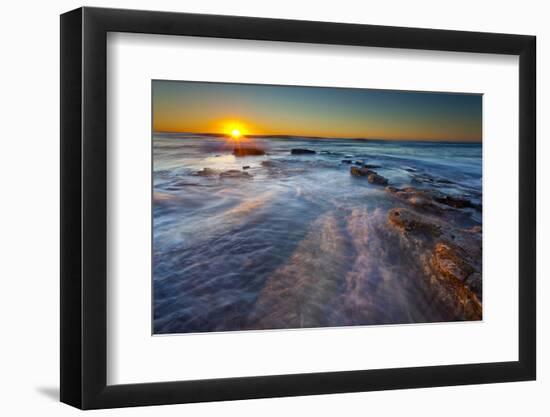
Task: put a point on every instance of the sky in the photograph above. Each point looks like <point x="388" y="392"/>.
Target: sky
<point x="254" y="109"/>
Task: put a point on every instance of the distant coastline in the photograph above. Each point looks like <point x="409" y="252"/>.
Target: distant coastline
<point x="295" y="137"/>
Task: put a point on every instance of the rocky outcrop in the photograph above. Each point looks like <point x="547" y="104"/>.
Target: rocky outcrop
<point x="433" y="201"/>
<point x="409" y="221"/>
<point x="235" y="173"/>
<point x="206" y="172"/>
<point x="301" y="151"/>
<point x="248" y="151"/>
<point x="456" y="202"/>
<point x="417" y="198"/>
<point x="450" y="256"/>
<point x="366" y="171"/>
<point x="377" y="179"/>
<point x="450" y="261"/>
<point x="360" y="171"/>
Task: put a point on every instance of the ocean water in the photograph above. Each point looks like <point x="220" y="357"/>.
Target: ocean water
<point x="301" y="242"/>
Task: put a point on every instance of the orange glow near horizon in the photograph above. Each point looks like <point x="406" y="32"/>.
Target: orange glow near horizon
<point x="250" y="110"/>
<point x="233" y="128"/>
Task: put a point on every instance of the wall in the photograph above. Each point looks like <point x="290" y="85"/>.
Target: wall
<point x="29" y="216"/>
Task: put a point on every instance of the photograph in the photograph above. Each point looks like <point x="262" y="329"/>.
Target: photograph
<point x="291" y="207"/>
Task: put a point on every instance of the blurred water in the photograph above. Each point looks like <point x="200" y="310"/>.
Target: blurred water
<point x="301" y="243"/>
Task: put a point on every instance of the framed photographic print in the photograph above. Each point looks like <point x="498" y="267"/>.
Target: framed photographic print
<point x="259" y="207"/>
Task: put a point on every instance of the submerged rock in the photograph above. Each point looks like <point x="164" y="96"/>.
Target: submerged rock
<point x="371" y="166"/>
<point x="377" y="179"/>
<point x="408" y="221"/>
<point x="360" y="172"/>
<point x="301" y="151"/>
<point x="235" y="173"/>
<point x="248" y="151"/>
<point x="424" y="178"/>
<point x="206" y="172"/>
<point x="433" y="201"/>
<point x="246" y="167"/>
<point x="346" y="161"/>
<point x="420" y="199"/>
<point x="456" y="202"/>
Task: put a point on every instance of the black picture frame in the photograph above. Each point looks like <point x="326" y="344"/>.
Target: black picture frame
<point x="84" y="207"/>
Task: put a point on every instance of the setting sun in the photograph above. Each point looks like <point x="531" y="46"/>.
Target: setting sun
<point x="236" y="133"/>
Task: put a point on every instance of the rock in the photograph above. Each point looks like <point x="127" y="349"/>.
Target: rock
<point x="371" y="166"/>
<point x="300" y="151"/>
<point x="450" y="256"/>
<point x="346" y="161"/>
<point x="377" y="179"/>
<point x="246" y="167"/>
<point x="269" y="163"/>
<point x="434" y="201"/>
<point x="408" y="221"/>
<point x="458" y="276"/>
<point x="248" y="151"/>
<point x="451" y="262"/>
<point x="361" y="172"/>
<point x="455" y="202"/>
<point x="474" y="229"/>
<point x="235" y="173"/>
<point x="422" y="179"/>
<point x="421" y="199"/>
<point x="206" y="172"/>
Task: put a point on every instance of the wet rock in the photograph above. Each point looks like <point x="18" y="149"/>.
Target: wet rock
<point x="346" y="161"/>
<point x="474" y="229"/>
<point x="206" y="172"/>
<point x="408" y="221"/>
<point x="269" y="164"/>
<point x="248" y="151"/>
<point x="457" y="274"/>
<point x="377" y="179"/>
<point x="433" y="201"/>
<point x="451" y="262"/>
<point x="371" y="166"/>
<point x="301" y="151"/>
<point x="360" y="172"/>
<point x="246" y="167"/>
<point x="420" y="199"/>
<point x="422" y="179"/>
<point x="455" y="202"/>
<point x="451" y="256"/>
<point x="235" y="173"/>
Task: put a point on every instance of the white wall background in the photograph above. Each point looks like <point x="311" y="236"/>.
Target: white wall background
<point x="29" y="225"/>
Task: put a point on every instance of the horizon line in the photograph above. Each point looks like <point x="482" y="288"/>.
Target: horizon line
<point x="319" y="137"/>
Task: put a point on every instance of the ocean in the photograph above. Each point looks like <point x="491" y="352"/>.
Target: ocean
<point x="295" y="241"/>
